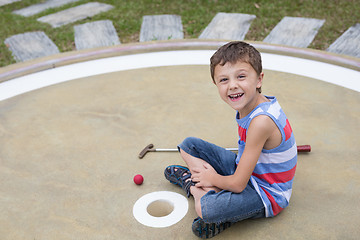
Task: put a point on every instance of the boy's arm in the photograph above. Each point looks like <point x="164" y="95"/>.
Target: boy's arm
<point x="260" y="130"/>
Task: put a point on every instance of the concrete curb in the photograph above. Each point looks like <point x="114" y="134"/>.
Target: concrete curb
<point x="62" y="59"/>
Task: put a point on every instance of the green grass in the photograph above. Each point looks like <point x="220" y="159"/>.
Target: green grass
<point x="195" y="14"/>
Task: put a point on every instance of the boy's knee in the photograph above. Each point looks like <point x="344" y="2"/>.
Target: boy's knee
<point x="190" y="141"/>
<point x="185" y="145"/>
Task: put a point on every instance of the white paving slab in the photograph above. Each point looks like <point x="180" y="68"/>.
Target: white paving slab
<point x="230" y="26"/>
<point x="348" y="43"/>
<point x="295" y="31"/>
<point x="37" y="8"/>
<point x="6" y="2"/>
<point x="75" y="14"/>
<point x="95" y="34"/>
<point x="161" y="27"/>
<point x="30" y="45"/>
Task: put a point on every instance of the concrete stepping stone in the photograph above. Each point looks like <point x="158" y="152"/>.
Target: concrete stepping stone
<point x="161" y="27"/>
<point x="230" y="26"/>
<point x="30" y="45"/>
<point x="6" y="2"/>
<point x="95" y="34"/>
<point x="37" y="8"/>
<point x="75" y="14"/>
<point x="348" y="43"/>
<point x="295" y="31"/>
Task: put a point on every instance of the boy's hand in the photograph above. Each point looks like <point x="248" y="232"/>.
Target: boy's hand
<point x="204" y="176"/>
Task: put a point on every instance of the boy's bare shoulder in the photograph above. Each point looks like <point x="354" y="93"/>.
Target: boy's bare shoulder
<point x="263" y="128"/>
<point x="263" y="123"/>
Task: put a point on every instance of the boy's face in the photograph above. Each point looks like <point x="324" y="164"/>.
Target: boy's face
<point x="237" y="84"/>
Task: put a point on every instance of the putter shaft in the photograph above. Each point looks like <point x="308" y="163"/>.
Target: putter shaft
<point x="149" y="148"/>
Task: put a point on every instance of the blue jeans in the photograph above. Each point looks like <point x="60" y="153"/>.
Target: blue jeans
<point x="224" y="206"/>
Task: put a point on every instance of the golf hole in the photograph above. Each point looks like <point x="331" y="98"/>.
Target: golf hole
<point x="160" y="208"/>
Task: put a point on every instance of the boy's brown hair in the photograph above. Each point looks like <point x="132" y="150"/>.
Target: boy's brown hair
<point x="236" y="51"/>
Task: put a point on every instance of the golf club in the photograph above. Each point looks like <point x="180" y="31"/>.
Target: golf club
<point x="150" y="148"/>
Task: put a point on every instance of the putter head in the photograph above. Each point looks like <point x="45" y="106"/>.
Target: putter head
<point x="146" y="150"/>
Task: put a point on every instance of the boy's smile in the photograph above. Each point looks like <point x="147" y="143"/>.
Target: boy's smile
<point x="235" y="97"/>
<point x="237" y="85"/>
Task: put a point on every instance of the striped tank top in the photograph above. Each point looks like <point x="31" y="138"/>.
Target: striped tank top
<point x="275" y="169"/>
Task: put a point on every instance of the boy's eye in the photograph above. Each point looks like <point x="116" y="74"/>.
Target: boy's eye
<point x="223" y="80"/>
<point x="241" y="76"/>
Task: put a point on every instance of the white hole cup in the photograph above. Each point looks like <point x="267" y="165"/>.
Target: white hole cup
<point x="160" y="209"/>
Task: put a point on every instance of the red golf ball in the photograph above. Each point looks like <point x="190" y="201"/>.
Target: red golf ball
<point x="138" y="179"/>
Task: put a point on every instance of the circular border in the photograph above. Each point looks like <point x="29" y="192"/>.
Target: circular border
<point x="179" y="202"/>
<point x="310" y="68"/>
<point x="66" y="58"/>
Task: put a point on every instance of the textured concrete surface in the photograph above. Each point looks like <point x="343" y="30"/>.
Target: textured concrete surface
<point x="69" y="153"/>
<point x="30" y="45"/>
<point x="38" y="8"/>
<point x="75" y="14"/>
<point x="232" y="26"/>
<point x="348" y="43"/>
<point x="161" y="27"/>
<point x="295" y="31"/>
<point x="95" y="34"/>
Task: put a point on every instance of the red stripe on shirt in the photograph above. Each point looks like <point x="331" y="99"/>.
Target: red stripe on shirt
<point x="280" y="177"/>
<point x="242" y="134"/>
<point x="275" y="207"/>
<point x="287" y="130"/>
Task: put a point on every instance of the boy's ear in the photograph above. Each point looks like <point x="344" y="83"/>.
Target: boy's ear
<point x="260" y="80"/>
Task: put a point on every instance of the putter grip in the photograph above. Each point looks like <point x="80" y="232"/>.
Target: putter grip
<point x="304" y="148"/>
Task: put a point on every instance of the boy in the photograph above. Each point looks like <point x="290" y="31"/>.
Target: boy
<point x="256" y="182"/>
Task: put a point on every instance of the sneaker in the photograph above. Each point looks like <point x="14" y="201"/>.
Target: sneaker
<point x="208" y="230"/>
